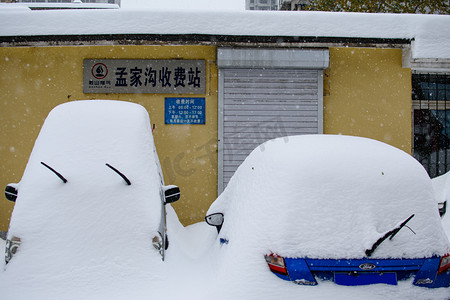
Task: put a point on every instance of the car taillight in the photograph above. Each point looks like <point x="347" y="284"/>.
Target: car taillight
<point x="445" y="264"/>
<point x="276" y="264"/>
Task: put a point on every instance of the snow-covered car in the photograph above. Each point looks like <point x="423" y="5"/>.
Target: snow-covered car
<point x="92" y="189"/>
<point x="321" y="207"/>
<point x="441" y="186"/>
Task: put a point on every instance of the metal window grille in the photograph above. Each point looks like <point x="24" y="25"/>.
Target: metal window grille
<point x="431" y="117"/>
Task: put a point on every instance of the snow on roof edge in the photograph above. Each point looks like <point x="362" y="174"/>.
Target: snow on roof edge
<point x="430" y="32"/>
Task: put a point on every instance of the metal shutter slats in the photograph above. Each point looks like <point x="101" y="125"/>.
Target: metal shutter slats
<point x="262" y="104"/>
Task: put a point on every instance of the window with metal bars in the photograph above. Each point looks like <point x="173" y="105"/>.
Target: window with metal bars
<point x="431" y="117"/>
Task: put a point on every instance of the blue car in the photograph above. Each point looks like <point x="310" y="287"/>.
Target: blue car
<point x="337" y="208"/>
<point x="427" y="272"/>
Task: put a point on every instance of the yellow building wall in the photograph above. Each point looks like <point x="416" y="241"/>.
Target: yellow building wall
<point x="33" y="80"/>
<point x="367" y="93"/>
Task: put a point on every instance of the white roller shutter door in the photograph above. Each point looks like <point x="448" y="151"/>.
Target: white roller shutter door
<point x="258" y="104"/>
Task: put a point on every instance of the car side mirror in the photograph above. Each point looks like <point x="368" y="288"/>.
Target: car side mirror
<point x="215" y="220"/>
<point x="171" y="193"/>
<point x="11" y="192"/>
<point x="442" y="208"/>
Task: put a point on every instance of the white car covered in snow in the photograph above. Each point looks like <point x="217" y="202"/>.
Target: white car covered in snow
<point x="92" y="196"/>
<point x="317" y="208"/>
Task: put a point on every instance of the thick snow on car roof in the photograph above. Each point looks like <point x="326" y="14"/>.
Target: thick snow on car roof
<point x="330" y="197"/>
<point x="95" y="221"/>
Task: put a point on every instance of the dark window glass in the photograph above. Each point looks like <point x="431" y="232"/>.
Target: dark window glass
<point x="431" y="105"/>
<point x="431" y="87"/>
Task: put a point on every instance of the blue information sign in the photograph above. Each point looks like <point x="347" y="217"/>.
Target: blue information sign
<point x="185" y="111"/>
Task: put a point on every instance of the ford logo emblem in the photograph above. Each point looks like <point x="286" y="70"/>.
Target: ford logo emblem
<point x="367" y="266"/>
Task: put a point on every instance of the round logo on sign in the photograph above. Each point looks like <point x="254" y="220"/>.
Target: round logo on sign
<point x="99" y="71"/>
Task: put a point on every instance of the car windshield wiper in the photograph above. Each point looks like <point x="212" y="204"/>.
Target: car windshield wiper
<point x="54" y="171"/>
<point x="127" y="181"/>
<point x="390" y="234"/>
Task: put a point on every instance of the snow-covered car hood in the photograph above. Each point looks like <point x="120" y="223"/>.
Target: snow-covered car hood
<point x="323" y="196"/>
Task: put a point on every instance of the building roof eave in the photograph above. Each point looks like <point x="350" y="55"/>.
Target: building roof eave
<point x="230" y="40"/>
